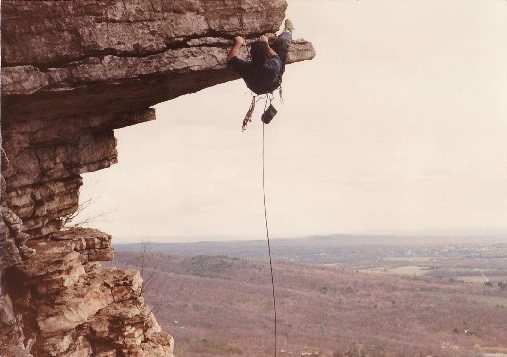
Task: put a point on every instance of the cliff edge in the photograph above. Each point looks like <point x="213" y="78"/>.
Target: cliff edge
<point x="72" y="72"/>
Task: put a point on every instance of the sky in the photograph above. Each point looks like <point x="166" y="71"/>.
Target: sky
<point x="399" y="125"/>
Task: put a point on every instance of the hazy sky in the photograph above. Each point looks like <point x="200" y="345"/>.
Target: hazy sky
<point x="399" y="124"/>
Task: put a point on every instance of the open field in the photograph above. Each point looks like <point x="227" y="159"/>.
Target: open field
<point x="413" y="270"/>
<point x="219" y="305"/>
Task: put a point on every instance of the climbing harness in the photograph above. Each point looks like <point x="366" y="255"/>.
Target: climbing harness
<point x="269" y="111"/>
<point x="267" y="233"/>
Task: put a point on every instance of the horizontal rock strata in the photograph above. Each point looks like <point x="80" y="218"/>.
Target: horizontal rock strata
<point x="72" y="72"/>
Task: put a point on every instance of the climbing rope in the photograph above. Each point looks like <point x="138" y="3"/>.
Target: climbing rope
<point x="4" y="155"/>
<point x="248" y="118"/>
<point x="267" y="231"/>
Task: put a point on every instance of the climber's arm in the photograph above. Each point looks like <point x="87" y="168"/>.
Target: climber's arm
<point x="271" y="52"/>
<point x="234" y="52"/>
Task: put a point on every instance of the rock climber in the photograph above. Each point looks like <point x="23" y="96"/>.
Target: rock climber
<point x="263" y="74"/>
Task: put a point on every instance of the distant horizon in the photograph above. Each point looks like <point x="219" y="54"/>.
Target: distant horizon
<point x="447" y="233"/>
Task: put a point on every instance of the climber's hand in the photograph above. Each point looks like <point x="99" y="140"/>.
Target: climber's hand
<point x="236" y="49"/>
<point x="264" y="38"/>
<point x="239" y="40"/>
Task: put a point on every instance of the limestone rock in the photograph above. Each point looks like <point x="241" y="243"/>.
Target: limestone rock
<point x="61" y="261"/>
<point x="11" y="334"/>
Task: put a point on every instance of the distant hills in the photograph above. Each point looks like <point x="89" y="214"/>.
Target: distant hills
<point x="323" y="248"/>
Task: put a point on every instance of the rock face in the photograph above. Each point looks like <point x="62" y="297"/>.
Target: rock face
<point x="72" y="72"/>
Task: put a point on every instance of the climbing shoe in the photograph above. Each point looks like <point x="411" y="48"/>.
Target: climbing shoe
<point x="288" y="25"/>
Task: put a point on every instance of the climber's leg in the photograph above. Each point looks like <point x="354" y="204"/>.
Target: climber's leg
<point x="281" y="47"/>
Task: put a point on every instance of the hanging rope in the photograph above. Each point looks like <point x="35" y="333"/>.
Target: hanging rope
<point x="267" y="232"/>
<point x="4" y="155"/>
<point x="248" y="118"/>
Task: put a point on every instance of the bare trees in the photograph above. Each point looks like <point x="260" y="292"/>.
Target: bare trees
<point x="149" y="264"/>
